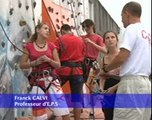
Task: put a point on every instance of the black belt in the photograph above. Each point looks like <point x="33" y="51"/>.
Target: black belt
<point x="44" y="72"/>
<point x="71" y="64"/>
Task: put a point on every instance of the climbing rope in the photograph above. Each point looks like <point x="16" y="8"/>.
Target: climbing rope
<point x="10" y="40"/>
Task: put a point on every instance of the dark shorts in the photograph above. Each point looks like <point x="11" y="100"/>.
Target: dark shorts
<point x="109" y="101"/>
<point x="76" y="85"/>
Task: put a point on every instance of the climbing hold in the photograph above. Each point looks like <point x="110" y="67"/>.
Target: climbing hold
<point x="27" y="7"/>
<point x="22" y="23"/>
<point x="73" y="4"/>
<point x="57" y="13"/>
<point x="50" y="9"/>
<point x="69" y="2"/>
<point x="3" y="44"/>
<point x="8" y="22"/>
<point x="72" y="16"/>
<point x="67" y="19"/>
<point x="34" y="4"/>
<point x="33" y="19"/>
<point x="62" y="22"/>
<point x="58" y="27"/>
<point x="63" y="16"/>
<point x="79" y="3"/>
<point x="79" y="13"/>
<point x="19" y="4"/>
<point x="57" y="20"/>
<point x="11" y="11"/>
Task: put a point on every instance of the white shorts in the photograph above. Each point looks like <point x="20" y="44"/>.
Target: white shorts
<point x="57" y="92"/>
<point x="132" y="85"/>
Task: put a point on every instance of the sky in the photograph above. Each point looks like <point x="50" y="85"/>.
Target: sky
<point x="114" y="8"/>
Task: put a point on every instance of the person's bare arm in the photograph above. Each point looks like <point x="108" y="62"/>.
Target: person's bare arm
<point x="24" y="64"/>
<point x="55" y="62"/>
<point x="98" y="47"/>
<point x="118" y="60"/>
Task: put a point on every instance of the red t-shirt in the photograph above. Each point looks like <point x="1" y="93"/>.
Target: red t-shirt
<point x="34" y="54"/>
<point x="92" y="52"/>
<point x="72" y="50"/>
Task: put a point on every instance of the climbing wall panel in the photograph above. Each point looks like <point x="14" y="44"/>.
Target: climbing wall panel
<point x="64" y="12"/>
<point x="17" y="22"/>
<point x="58" y="14"/>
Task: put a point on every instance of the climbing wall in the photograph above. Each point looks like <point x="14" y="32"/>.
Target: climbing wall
<point x="60" y="12"/>
<point x="17" y="21"/>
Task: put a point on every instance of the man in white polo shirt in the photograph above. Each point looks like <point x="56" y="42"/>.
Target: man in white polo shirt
<point x="134" y="59"/>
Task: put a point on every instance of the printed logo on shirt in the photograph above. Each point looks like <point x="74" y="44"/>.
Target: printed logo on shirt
<point x="146" y="36"/>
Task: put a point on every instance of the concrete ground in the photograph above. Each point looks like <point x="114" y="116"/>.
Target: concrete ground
<point x="99" y="115"/>
<point x="84" y="116"/>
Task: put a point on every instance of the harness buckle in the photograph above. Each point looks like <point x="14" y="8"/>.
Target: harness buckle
<point x="45" y="72"/>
